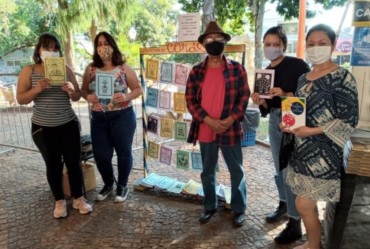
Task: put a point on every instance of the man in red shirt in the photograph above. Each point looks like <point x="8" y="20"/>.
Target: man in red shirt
<point x="217" y="95"/>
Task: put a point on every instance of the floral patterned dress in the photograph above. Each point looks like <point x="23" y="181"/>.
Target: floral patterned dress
<point x="120" y="85"/>
<point x="316" y="164"/>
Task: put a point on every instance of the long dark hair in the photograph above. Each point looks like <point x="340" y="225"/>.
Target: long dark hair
<point x="45" y="40"/>
<point x="117" y="56"/>
<point x="279" y="32"/>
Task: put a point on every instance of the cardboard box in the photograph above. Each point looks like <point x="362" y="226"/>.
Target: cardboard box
<point x="88" y="171"/>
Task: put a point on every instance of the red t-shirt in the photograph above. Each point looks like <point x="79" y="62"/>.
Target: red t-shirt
<point x="213" y="94"/>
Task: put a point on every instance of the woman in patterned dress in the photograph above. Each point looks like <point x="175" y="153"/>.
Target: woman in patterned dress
<point x="316" y="165"/>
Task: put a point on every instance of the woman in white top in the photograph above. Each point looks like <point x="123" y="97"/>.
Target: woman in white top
<point x="55" y="126"/>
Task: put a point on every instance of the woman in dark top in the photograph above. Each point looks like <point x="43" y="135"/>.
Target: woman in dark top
<point x="287" y="72"/>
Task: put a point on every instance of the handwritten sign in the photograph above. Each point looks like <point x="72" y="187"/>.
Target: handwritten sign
<point x="189" y="47"/>
<point x="185" y="47"/>
<point x="189" y="27"/>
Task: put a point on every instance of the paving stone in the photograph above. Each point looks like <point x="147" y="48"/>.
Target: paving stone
<point x="147" y="219"/>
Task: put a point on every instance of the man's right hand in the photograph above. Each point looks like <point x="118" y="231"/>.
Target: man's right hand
<point x="216" y="125"/>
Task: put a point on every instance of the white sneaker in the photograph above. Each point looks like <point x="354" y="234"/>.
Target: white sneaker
<point x="82" y="205"/>
<point x="121" y="193"/>
<point x="60" y="210"/>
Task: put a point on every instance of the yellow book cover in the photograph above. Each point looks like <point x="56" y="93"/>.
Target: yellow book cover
<point x="179" y="105"/>
<point x="166" y="128"/>
<point x="191" y="187"/>
<point x="152" y="69"/>
<point x="293" y="111"/>
<point x="55" y="70"/>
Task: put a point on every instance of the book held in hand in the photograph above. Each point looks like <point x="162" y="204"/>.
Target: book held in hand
<point x="55" y="70"/>
<point x="263" y="82"/>
<point x="293" y="111"/>
<point x="104" y="86"/>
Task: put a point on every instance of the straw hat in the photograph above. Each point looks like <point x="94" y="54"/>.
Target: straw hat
<point x="213" y="28"/>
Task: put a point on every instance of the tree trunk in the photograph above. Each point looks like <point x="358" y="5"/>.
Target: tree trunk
<point x="208" y="12"/>
<point x="258" y="11"/>
<point x="93" y="30"/>
<point x="69" y="51"/>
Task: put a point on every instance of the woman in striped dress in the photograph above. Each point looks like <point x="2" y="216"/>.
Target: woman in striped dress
<point x="55" y="126"/>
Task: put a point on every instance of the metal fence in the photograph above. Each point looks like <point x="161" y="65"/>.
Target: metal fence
<point x="15" y="121"/>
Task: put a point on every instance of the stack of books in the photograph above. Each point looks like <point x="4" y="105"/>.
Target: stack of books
<point x="175" y="187"/>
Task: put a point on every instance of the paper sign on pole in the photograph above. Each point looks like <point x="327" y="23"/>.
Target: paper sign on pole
<point x="189" y="27"/>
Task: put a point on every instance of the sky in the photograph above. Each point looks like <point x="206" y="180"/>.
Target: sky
<point x="331" y="17"/>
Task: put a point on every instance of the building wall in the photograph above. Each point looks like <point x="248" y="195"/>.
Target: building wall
<point x="12" y="63"/>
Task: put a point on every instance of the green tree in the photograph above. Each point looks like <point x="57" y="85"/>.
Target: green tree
<point x="74" y="16"/>
<point x="155" y="22"/>
<point x="21" y="26"/>
<point x="232" y="15"/>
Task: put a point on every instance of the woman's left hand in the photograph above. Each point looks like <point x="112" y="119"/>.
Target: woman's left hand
<point x="68" y="87"/>
<point x="276" y="91"/>
<point x="303" y="131"/>
<point x="119" y="97"/>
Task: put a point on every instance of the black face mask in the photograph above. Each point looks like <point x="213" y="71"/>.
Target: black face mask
<point x="215" y="48"/>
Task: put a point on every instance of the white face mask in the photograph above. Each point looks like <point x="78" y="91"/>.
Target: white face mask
<point x="272" y="53"/>
<point x="48" y="54"/>
<point x="318" y="55"/>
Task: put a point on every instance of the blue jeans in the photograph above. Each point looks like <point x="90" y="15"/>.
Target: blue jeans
<point x="234" y="160"/>
<point x="284" y="190"/>
<point x="113" y="130"/>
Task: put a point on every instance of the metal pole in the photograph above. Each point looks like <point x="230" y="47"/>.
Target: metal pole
<point x="143" y="109"/>
<point x="343" y="17"/>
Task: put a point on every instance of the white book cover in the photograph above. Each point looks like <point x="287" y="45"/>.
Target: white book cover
<point x="176" y="187"/>
<point x="220" y="192"/>
<point x="165" y="183"/>
<point x="201" y="192"/>
<point x="104" y="86"/>
<point x="227" y="192"/>
<point x="151" y="180"/>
